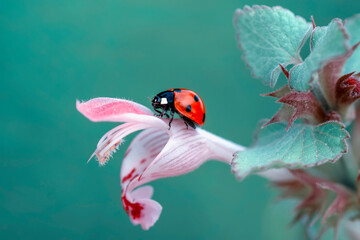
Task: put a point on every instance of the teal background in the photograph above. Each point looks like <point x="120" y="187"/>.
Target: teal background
<point x="54" y="52"/>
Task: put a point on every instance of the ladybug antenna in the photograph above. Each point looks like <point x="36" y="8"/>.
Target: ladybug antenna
<point x="149" y="98"/>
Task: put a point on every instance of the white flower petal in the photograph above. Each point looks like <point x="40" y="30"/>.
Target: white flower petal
<point x="156" y="153"/>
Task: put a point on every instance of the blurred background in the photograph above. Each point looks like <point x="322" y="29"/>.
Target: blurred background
<point x="54" y="52"/>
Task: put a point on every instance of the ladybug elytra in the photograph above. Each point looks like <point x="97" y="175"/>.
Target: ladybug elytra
<point x="186" y="103"/>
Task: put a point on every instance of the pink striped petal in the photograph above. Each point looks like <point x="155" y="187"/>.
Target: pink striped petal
<point x="155" y="154"/>
<point x="138" y="117"/>
<point x="141" y="152"/>
<point x="110" y="142"/>
<point x="141" y="209"/>
<point x="111" y="109"/>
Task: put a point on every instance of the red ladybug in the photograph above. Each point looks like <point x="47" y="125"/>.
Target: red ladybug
<point x="186" y="103"/>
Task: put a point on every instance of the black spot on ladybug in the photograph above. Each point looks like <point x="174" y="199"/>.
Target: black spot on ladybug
<point x="196" y="98"/>
<point x="203" y="118"/>
<point x="188" y="108"/>
<point x="177" y="90"/>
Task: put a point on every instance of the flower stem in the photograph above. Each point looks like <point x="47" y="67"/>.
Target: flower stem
<point x="222" y="149"/>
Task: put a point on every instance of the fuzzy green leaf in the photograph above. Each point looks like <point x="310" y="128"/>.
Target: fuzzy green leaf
<point x="317" y="36"/>
<point x="269" y="37"/>
<point x="302" y="146"/>
<point x="352" y="26"/>
<point x="327" y="43"/>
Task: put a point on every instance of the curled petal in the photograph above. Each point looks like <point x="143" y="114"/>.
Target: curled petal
<point x="110" y="142"/>
<point x="138" y="117"/>
<point x="141" y="152"/>
<point x="141" y="209"/>
<point x="186" y="150"/>
<point x="155" y="154"/>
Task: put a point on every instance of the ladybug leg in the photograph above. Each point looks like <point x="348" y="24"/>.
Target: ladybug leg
<point x="172" y="118"/>
<point x="191" y="123"/>
<point x="159" y="113"/>
<point x="164" y="113"/>
<point x="187" y="126"/>
<point x="188" y="123"/>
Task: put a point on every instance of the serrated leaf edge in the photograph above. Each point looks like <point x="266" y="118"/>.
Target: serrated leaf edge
<point x="323" y="63"/>
<point x="291" y="166"/>
<point x="247" y="8"/>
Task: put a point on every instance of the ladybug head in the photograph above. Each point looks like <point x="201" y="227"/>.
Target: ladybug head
<point x="163" y="99"/>
<point x="156" y="101"/>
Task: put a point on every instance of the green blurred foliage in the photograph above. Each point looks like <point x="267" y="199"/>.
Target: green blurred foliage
<point x="54" y="52"/>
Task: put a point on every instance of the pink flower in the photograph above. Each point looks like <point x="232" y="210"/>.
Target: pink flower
<point x="156" y="152"/>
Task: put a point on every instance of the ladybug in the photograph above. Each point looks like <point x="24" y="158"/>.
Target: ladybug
<point x="186" y="103"/>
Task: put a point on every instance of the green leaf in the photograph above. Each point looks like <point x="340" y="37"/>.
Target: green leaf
<point x="269" y="37"/>
<point x="317" y="36"/>
<point x="326" y="44"/>
<point x="352" y="26"/>
<point x="353" y="63"/>
<point x="302" y="146"/>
